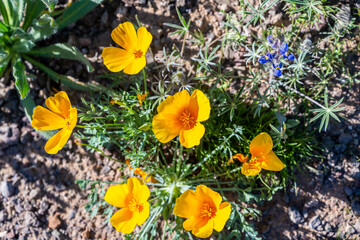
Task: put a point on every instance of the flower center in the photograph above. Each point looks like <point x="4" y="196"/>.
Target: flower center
<point x="187" y="120"/>
<point x="134" y="206"/>
<point x="138" y="54"/>
<point x="207" y="211"/>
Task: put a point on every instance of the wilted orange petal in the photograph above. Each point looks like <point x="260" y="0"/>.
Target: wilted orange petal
<point x="251" y="169"/>
<point x="240" y="157"/>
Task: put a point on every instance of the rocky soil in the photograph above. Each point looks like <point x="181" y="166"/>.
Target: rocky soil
<point x="38" y="197"/>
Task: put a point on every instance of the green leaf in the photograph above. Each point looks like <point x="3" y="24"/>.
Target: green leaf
<point x="4" y="61"/>
<point x="22" y="45"/>
<point x="3" y="27"/>
<point x="6" y="9"/>
<point x="18" y="8"/>
<point x="43" y="28"/>
<point x="73" y="83"/>
<point x="50" y="4"/>
<point x="62" y="50"/>
<point x="76" y="11"/>
<point x="20" y="78"/>
<point x="33" y="10"/>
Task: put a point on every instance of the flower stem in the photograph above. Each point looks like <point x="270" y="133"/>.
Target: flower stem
<point x="183" y="44"/>
<point x="144" y="76"/>
<point x="108" y="126"/>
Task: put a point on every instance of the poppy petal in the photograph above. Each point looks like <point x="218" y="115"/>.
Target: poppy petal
<point x="135" y="66"/>
<point x="222" y="215"/>
<point x="208" y="195"/>
<point x="117" y="195"/>
<point x="203" y="105"/>
<point x="58" y="141"/>
<point x="187" y="205"/>
<point x="261" y="145"/>
<point x="175" y="104"/>
<point x="166" y="127"/>
<point x="73" y="118"/>
<point x="116" y="59"/>
<point x="272" y="162"/>
<point x="190" y="223"/>
<point x="44" y="120"/>
<point x="144" y="214"/>
<point x="205" y="230"/>
<point x="125" y="36"/>
<point x="144" y="39"/>
<point x="59" y="104"/>
<point x="138" y="189"/>
<point x="124" y="220"/>
<point x="190" y="138"/>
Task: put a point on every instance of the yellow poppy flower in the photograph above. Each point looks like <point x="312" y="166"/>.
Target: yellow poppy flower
<point x="182" y="114"/>
<point x="262" y="156"/>
<point x="203" y="210"/>
<point x="131" y="57"/>
<point x="60" y="116"/>
<point x="132" y="198"/>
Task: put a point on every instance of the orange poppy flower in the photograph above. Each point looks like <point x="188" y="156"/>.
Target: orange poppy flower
<point x="131" y="57"/>
<point x="132" y="199"/>
<point x="262" y="156"/>
<point x="60" y="116"/>
<point x="203" y="210"/>
<point x="181" y="114"/>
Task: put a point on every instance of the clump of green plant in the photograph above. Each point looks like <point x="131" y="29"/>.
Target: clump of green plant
<point x="234" y="138"/>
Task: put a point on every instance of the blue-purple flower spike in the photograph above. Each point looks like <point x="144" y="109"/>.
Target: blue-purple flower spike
<point x="280" y="51"/>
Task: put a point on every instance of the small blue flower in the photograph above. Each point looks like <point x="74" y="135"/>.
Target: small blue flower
<point x="269" y="38"/>
<point x="284" y="48"/>
<point x="270" y="56"/>
<point x="277" y="72"/>
<point x="264" y="59"/>
<point x="291" y="57"/>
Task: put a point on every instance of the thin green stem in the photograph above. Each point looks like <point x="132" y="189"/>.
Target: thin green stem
<point x="144" y="76"/>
